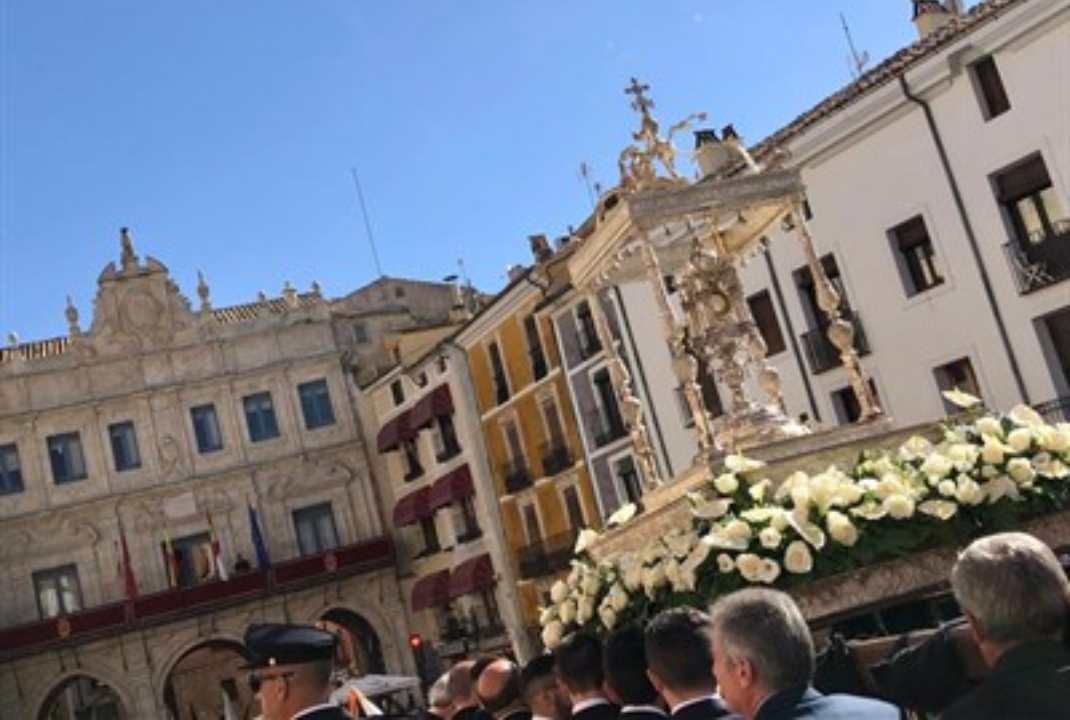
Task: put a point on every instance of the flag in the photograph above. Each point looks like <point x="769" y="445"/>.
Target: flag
<point x="228" y="707"/>
<point x="128" y="571"/>
<point x="171" y="561"/>
<point x="217" y="550"/>
<point x="263" y="562"/>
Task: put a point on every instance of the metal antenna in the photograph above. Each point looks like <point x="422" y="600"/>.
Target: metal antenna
<point x="857" y="61"/>
<point x="585" y="173"/>
<point x="367" y="223"/>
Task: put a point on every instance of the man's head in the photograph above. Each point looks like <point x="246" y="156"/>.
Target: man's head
<point x="1012" y="590"/>
<point x="579" y="665"/>
<point x="439" y="699"/>
<point x="542" y="692"/>
<point x="624" y="661"/>
<point x="291" y="667"/>
<point x="460" y="685"/>
<point x="498" y="688"/>
<point x="761" y="645"/>
<point x="479" y="665"/>
<point x="678" y="655"/>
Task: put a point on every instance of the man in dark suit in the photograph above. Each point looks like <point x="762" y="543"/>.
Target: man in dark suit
<point x="579" y="669"/>
<point x="626" y="683"/>
<point x="764" y="662"/>
<point x="543" y="694"/>
<point x="680" y="664"/>
<point x="462" y="689"/>
<point x="1016" y="599"/>
<point x="290" y="671"/>
<point x="499" y="691"/>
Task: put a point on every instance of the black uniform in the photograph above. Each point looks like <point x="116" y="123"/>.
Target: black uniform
<point x="1029" y="681"/>
<point x="600" y="711"/>
<point x="704" y="709"/>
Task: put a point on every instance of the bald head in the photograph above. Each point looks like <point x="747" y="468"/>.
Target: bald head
<point x="499" y="688"/>
<point x="460" y="685"/>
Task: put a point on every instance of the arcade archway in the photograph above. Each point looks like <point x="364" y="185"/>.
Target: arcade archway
<point x="359" y="648"/>
<point x="206" y="679"/>
<point x="82" y="697"/>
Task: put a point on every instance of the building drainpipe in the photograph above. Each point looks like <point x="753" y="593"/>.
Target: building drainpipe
<point x="970" y="236"/>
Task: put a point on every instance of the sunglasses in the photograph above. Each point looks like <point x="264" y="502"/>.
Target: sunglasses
<point x="256" y="679"/>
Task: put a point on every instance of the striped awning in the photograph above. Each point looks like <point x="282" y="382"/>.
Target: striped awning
<point x="472" y="576"/>
<point x="434" y="404"/>
<point x="454" y="485"/>
<point x="413" y="507"/>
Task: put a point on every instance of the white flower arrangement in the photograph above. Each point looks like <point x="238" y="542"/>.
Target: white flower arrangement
<point x="747" y="529"/>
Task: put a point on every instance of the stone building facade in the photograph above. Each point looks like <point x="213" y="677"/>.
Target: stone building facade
<point x="164" y="427"/>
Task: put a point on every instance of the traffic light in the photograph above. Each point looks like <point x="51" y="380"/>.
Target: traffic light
<point x="416" y="642"/>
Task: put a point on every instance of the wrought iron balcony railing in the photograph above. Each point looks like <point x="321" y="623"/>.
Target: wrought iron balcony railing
<point x="556" y="457"/>
<point x="547" y="556"/>
<point x="515" y="475"/>
<point x="1042" y="261"/>
<point x="822" y="354"/>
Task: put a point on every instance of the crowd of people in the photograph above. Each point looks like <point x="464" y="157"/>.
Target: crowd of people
<point x="752" y="656"/>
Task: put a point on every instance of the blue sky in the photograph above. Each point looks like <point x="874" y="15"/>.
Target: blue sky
<point x="223" y="133"/>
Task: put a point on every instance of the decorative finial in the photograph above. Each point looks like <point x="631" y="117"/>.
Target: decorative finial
<point x="261" y="296"/>
<point x="128" y="257"/>
<point x="203" y="292"/>
<point x="72" y="318"/>
<point x="316" y="290"/>
<point x="636" y="162"/>
<point x="289" y="294"/>
<point x="641" y="103"/>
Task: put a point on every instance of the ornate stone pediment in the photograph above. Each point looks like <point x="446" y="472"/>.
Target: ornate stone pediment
<point x="138" y="307"/>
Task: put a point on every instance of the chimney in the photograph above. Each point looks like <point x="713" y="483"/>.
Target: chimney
<point x="930" y="16"/>
<point x="514" y="272"/>
<point x="711" y="154"/>
<point x="540" y="248"/>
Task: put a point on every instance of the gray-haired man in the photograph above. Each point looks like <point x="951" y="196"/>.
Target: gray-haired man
<point x="1016" y="599"/>
<point x="763" y="657"/>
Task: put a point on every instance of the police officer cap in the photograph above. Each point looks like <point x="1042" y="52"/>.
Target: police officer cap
<point x="273" y="644"/>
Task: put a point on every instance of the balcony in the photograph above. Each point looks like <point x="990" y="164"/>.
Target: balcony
<point x="1042" y="261"/>
<point x="515" y="475"/>
<point x="604" y="429"/>
<point x="538" y="363"/>
<point x="822" y="354"/>
<point x="555" y="458"/>
<point x="501" y="389"/>
<point x="161" y="607"/>
<point x="546" y="556"/>
<point x="589" y="346"/>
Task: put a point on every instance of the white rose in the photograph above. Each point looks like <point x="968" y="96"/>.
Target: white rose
<point x="1020" y="470"/>
<point x="608" y="616"/>
<point x="779" y="521"/>
<point x="547" y="615"/>
<point x="725" y="563"/>
<point x="573" y="579"/>
<point x="841" y="528"/>
<point x="989" y="425"/>
<point x="770" y="538"/>
<point x="585" y="610"/>
<point x="989" y="471"/>
<point x="737" y="530"/>
<point x="1020" y="439"/>
<point x="1000" y="488"/>
<point x="591" y="583"/>
<point x="943" y="509"/>
<point x="749" y="566"/>
<point x="800" y="496"/>
<point x="757" y="490"/>
<point x="899" y="507"/>
<point x="848" y="493"/>
<point x="551" y="635"/>
<point x="585" y="540"/>
<point x="618" y="598"/>
<point x="992" y="450"/>
<point x="740" y="464"/>
<point x="633" y="577"/>
<point x="969" y="492"/>
<point x="769" y="572"/>
<point x="915" y="447"/>
<point x="797" y="558"/>
<point x="567" y="612"/>
<point x="726" y="484"/>
<point x="892" y="484"/>
<point x="1025" y="415"/>
<point x="937" y="465"/>
<point x="1057" y="440"/>
<point x="947" y="488"/>
<point x="559" y="591"/>
<point x="963" y="455"/>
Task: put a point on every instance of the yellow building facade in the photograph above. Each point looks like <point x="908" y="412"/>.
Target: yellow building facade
<point x="530" y="432"/>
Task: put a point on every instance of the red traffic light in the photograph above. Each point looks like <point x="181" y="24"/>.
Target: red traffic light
<point x="415" y="641"/>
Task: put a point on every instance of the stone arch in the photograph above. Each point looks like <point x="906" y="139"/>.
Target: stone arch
<point x="163" y="680"/>
<point x="52" y="690"/>
<point x="377" y="623"/>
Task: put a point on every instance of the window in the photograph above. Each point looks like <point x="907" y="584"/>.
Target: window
<point x="411" y="453"/>
<point x="430" y="535"/>
<point x="535" y="351"/>
<point x="399" y="292"/>
<point x="628" y="476"/>
<point x="193" y="559"/>
<point x="465" y="525"/>
<point x="1033" y="207"/>
<point x="315" y="529"/>
<point x="360" y="333"/>
<point x="573" y="507"/>
<point x="124" y="446"/>
<point x="957" y="374"/>
<point x="501" y="383"/>
<point x="807" y="211"/>
<point x="761" y="309"/>
<point x="206" y="428"/>
<point x="58" y="591"/>
<point x="316" y="404"/>
<point x="260" y="417"/>
<point x="67" y="458"/>
<point x="588" y="333"/>
<point x="607" y="421"/>
<point x="398" y="392"/>
<point x="531" y="523"/>
<point x="670" y="284"/>
<point x="915" y="257"/>
<point x="846" y="404"/>
<point x="490" y="607"/>
<point x="448" y="446"/>
<point x="991" y="93"/>
<point x="10" y="471"/>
